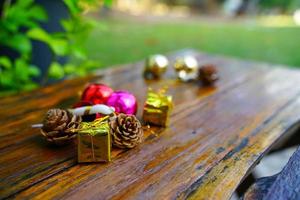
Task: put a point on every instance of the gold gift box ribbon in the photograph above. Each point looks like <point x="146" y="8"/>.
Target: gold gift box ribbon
<point x="158" y="100"/>
<point x="98" y="126"/>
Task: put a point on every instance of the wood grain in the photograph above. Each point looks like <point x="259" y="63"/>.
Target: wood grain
<point x="216" y="136"/>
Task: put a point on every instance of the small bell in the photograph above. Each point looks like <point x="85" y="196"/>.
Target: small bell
<point x="155" y="66"/>
<point x="186" y="68"/>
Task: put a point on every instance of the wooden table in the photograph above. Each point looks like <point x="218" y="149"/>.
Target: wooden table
<point x="217" y="135"/>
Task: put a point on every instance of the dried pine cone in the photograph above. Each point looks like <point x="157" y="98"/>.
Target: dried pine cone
<point x="58" y="124"/>
<point x="208" y="74"/>
<point x="126" y="131"/>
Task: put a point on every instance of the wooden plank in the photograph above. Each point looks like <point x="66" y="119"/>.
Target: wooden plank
<point x="24" y="172"/>
<point x="209" y="127"/>
<point x="159" y="169"/>
<point x="230" y="171"/>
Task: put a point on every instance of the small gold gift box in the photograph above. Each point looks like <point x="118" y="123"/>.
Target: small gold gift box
<point x="157" y="108"/>
<point x="94" y="141"/>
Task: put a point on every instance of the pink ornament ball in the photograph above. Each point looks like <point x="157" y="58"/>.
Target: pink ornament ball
<point x="123" y="102"/>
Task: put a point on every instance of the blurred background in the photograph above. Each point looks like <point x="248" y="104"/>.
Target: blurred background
<point x="42" y="41"/>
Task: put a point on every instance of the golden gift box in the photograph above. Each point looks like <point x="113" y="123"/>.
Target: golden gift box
<point x="94" y="143"/>
<point x="157" y="108"/>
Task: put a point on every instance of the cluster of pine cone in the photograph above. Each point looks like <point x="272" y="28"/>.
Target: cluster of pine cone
<point x="126" y="131"/>
<point x="59" y="126"/>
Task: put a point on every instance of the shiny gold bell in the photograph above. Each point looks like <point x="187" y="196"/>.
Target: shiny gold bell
<point x="186" y="68"/>
<point x="155" y="66"/>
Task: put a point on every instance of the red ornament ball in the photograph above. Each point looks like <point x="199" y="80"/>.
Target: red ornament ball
<point x="96" y="93"/>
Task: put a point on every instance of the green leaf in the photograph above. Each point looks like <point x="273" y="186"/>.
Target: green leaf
<point x="5" y="62"/>
<point x="70" y="69"/>
<point x="21" y="70"/>
<point x="24" y="3"/>
<point x="73" y="6"/>
<point x="7" y="80"/>
<point x="39" y="34"/>
<point x="33" y="70"/>
<point x="58" y="45"/>
<point x="19" y="42"/>
<point x="78" y="52"/>
<point x="56" y="71"/>
<point x="9" y="26"/>
<point x="38" y="13"/>
<point x="67" y="24"/>
<point x="23" y="13"/>
<point x="18" y="77"/>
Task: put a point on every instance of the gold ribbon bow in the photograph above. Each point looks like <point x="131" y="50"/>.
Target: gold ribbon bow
<point x="98" y="126"/>
<point x="159" y="99"/>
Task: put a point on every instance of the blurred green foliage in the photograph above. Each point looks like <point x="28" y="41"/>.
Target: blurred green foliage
<point x="284" y="5"/>
<point x="16" y="75"/>
<point x="20" y="24"/>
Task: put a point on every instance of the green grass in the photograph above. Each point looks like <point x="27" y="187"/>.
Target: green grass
<point x="127" y="41"/>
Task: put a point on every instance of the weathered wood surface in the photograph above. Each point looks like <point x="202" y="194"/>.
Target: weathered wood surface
<point x="216" y="136"/>
<point x="282" y="186"/>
